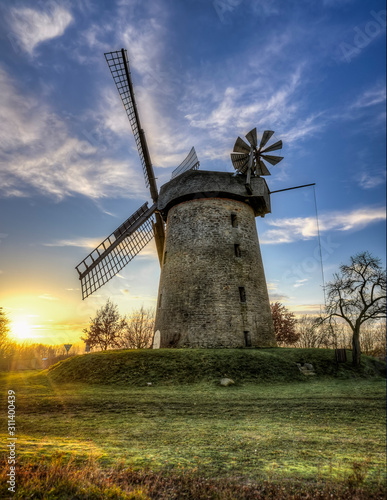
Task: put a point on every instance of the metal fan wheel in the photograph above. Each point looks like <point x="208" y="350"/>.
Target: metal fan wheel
<point x="254" y="155"/>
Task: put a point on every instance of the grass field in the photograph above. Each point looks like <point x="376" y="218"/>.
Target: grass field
<point x="274" y="426"/>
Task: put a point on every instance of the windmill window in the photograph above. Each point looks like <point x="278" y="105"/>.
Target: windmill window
<point x="237" y="250"/>
<point x="160" y="299"/>
<point x="247" y="339"/>
<point x="234" y="220"/>
<point x="165" y="257"/>
<point x="242" y="294"/>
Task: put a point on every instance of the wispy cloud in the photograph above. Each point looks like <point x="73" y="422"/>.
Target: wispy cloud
<point x="238" y="107"/>
<point x="88" y="243"/>
<point x="265" y="101"/>
<point x="278" y="297"/>
<point x="47" y="296"/>
<point x="40" y="153"/>
<point x="299" y="283"/>
<point x="156" y="83"/>
<point x="305" y="128"/>
<point x="168" y="145"/>
<point x="304" y="228"/>
<point x="91" y="243"/>
<point x="370" y="97"/>
<point x="372" y="179"/>
<point x="30" y="27"/>
<point x="312" y="309"/>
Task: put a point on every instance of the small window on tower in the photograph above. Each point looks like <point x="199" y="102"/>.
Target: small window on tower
<point x="234" y="220"/>
<point x="247" y="339"/>
<point x="237" y="250"/>
<point x="160" y="300"/>
<point x="165" y="257"/>
<point x="242" y="294"/>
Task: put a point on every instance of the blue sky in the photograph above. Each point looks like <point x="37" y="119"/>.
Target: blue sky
<point x="204" y="72"/>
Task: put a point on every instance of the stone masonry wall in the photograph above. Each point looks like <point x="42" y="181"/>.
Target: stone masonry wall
<point x="212" y="287"/>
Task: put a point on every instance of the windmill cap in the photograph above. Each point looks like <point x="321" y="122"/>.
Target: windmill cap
<point x="196" y="184"/>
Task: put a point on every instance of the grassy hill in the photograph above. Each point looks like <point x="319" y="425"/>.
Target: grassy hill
<point x="92" y="428"/>
<point x="187" y="366"/>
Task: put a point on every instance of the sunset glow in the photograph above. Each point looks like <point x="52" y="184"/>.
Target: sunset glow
<point x="21" y="330"/>
<point x="203" y="73"/>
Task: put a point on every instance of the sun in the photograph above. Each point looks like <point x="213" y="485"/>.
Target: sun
<point x="21" y="330"/>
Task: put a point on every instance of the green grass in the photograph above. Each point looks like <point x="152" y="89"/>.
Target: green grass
<point x="273" y="425"/>
<point x="188" y="366"/>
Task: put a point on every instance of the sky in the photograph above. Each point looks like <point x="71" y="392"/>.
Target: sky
<point x="204" y="72"/>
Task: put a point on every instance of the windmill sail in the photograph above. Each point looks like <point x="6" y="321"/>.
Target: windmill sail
<point x="119" y="67"/>
<point x="116" y="250"/>
<point x="191" y="162"/>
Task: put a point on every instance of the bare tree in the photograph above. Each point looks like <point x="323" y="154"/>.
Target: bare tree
<point x="4" y="324"/>
<point x="339" y="333"/>
<point x="358" y="294"/>
<point x="311" y="333"/>
<point x="139" y="328"/>
<point x="106" y="328"/>
<point x="5" y="330"/>
<point x="284" y="323"/>
<point x="380" y="347"/>
<point x="6" y="344"/>
<point x="373" y="339"/>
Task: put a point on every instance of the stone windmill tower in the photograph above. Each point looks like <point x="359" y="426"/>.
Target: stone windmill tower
<point x="212" y="289"/>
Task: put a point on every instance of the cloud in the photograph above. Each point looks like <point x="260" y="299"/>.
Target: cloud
<point x="304" y="128"/>
<point x="139" y="37"/>
<point x="336" y="3"/>
<point x="313" y="309"/>
<point x="238" y="107"/>
<point x="47" y="296"/>
<point x="305" y="228"/>
<point x="369" y="180"/>
<point x="30" y="27"/>
<point x="155" y="78"/>
<point x="278" y="297"/>
<point x="299" y="283"/>
<point x="371" y="97"/>
<point x="264" y="8"/>
<point x="211" y="104"/>
<point x="168" y="145"/>
<point x="40" y="153"/>
<point x="90" y="243"/>
<point x="218" y="114"/>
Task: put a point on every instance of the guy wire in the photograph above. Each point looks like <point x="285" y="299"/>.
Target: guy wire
<point x="319" y="245"/>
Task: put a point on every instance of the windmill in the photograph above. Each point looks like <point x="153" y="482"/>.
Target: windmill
<point x="212" y="290"/>
<point x="120" y="247"/>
